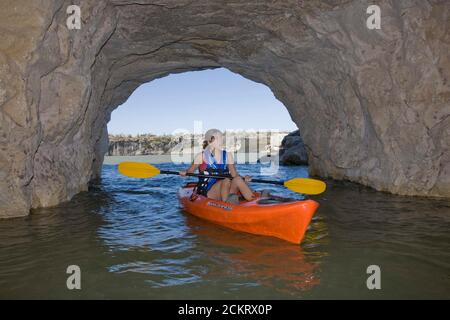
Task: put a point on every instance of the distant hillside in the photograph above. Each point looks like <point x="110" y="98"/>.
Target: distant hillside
<point x="150" y="144"/>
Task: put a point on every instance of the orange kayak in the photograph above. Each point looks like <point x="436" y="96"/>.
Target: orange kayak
<point x="278" y="217"/>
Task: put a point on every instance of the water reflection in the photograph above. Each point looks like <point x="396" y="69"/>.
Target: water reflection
<point x="261" y="261"/>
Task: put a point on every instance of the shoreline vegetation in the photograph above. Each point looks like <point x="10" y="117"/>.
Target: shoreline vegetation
<point x="248" y="146"/>
<point x="152" y="144"/>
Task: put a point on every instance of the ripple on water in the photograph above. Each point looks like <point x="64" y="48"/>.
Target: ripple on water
<point x="131" y="239"/>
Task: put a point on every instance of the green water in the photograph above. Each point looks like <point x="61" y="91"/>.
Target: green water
<point x="131" y="240"/>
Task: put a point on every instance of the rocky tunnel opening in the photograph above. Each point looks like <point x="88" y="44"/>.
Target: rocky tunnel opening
<point x="372" y="105"/>
<point x="169" y="116"/>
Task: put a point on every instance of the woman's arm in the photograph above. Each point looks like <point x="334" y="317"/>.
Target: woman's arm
<point x="197" y="161"/>
<point x="232" y="167"/>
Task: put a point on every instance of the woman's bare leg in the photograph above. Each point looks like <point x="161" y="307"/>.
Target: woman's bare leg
<point x="214" y="192"/>
<point x="225" y="187"/>
<point x="238" y="184"/>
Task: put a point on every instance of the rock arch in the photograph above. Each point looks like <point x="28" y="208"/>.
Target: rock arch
<point x="373" y="105"/>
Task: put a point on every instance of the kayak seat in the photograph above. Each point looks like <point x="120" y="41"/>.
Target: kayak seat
<point x="274" y="200"/>
<point x="265" y="193"/>
<point x="233" y="198"/>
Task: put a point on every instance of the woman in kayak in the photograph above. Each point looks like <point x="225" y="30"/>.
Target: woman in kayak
<point x="214" y="160"/>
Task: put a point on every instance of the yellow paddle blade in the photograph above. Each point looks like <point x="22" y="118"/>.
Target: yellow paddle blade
<point x="138" y="169"/>
<point x="305" y="185"/>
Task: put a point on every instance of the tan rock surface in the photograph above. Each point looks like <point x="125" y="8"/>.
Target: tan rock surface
<point x="372" y="105"/>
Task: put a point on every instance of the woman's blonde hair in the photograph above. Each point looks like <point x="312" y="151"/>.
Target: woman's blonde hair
<point x="210" y="135"/>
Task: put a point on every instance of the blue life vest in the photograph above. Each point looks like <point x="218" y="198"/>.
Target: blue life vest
<point x="212" y="168"/>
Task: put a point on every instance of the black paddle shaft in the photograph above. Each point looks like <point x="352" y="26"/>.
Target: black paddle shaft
<point x="220" y="177"/>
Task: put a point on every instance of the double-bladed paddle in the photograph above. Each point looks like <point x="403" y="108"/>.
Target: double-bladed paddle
<point x="146" y="170"/>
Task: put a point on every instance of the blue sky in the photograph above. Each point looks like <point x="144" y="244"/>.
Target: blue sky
<point x="219" y="98"/>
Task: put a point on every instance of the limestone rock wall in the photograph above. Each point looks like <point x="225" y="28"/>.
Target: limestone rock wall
<point x="372" y="105"/>
<point x="293" y="150"/>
